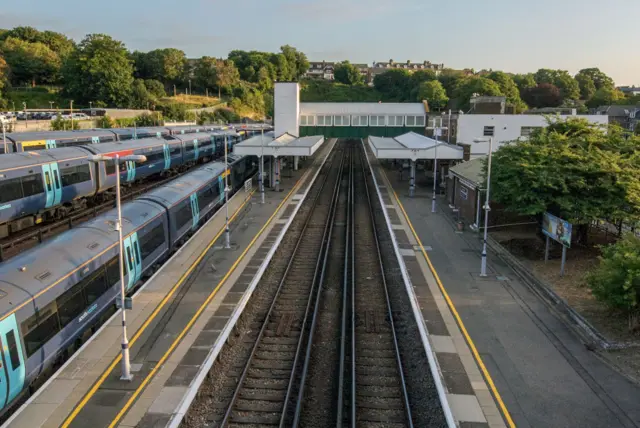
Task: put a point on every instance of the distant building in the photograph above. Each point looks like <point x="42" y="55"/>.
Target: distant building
<point x="625" y="116"/>
<point x="504" y="128"/>
<point x="482" y="104"/>
<point x="410" y="66"/>
<point x="320" y="70"/>
<point x="629" y="90"/>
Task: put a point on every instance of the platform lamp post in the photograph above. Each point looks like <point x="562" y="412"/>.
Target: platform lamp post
<point x="261" y="182"/>
<point x="227" y="238"/>
<point x="483" y="263"/>
<point x="126" y="366"/>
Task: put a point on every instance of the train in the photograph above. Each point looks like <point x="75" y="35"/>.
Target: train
<point x="30" y="141"/>
<point x="48" y="184"/>
<point x="54" y="295"/>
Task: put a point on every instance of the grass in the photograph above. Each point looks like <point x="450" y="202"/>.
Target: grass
<point x="38" y="97"/>
<point x="193" y="100"/>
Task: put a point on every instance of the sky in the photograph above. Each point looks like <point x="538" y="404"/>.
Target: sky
<point x="509" y="35"/>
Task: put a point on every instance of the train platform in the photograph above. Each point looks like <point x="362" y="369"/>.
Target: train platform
<point x="516" y="350"/>
<point x="468" y="393"/>
<point x="180" y="320"/>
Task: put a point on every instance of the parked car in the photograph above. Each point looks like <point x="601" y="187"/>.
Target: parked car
<point x="80" y="116"/>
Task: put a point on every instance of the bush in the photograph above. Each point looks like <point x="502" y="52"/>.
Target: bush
<point x="105" y="122"/>
<point x="60" y="124"/>
<point x="221" y="116"/>
<point x="616" y="281"/>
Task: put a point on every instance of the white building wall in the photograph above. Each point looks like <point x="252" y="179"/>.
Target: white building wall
<point x="507" y="127"/>
<point x="286" y="108"/>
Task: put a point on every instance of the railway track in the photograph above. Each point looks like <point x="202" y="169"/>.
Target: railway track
<point x="325" y="340"/>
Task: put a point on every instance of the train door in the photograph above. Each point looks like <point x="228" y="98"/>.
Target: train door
<point x="195" y="210"/>
<point x="12" y="369"/>
<point x="52" y="186"/>
<point x="95" y="140"/>
<point x="167" y="156"/>
<point x="132" y="259"/>
<point x="57" y="183"/>
<point x="221" y="187"/>
<point x="50" y="144"/>
<point x="196" y="149"/>
<point x="131" y="170"/>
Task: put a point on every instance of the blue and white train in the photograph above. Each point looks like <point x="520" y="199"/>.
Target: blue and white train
<point x="52" y="295"/>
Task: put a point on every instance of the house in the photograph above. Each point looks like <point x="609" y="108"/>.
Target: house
<point x="626" y="116"/>
<point x="629" y="90"/>
<point x="411" y="66"/>
<point x="320" y="70"/>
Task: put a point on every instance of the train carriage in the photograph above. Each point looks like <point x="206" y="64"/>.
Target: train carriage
<point x="34" y="183"/>
<point x="125" y="134"/>
<point x="197" y="146"/>
<point x="71" y="280"/>
<point x="161" y="155"/>
<point x="31" y="141"/>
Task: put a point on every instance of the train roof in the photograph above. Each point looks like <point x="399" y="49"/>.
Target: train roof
<point x="37" y="157"/>
<point x="119" y="146"/>
<point x="193" y="136"/>
<point x="134" y="131"/>
<point x="163" y="130"/>
<point x="18" y="137"/>
<point x="41" y="267"/>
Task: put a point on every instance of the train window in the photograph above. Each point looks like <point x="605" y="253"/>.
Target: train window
<point x="47" y="180"/>
<point x="208" y="195"/>
<point x="129" y="259"/>
<point x="151" y="241"/>
<point x="75" y="174"/>
<point x="56" y="179"/>
<point x="70" y="304"/>
<point x="113" y="272"/>
<point x="95" y="286"/>
<point x="123" y="166"/>
<point x="10" y="190"/>
<point x="111" y="168"/>
<point x="13" y="350"/>
<point x="46" y="329"/>
<point x="32" y="185"/>
<point x="183" y="214"/>
<point x="136" y="251"/>
<point x="168" y="137"/>
<point x="175" y="150"/>
<point x="188" y="146"/>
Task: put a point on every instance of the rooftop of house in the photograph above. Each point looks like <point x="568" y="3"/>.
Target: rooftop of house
<point x="617" y="110"/>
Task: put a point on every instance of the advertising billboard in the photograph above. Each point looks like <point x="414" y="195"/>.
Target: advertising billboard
<point x="557" y="229"/>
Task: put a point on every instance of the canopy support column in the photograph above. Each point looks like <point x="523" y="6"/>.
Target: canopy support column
<point x="412" y="178"/>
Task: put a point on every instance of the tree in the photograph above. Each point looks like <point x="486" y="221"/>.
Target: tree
<point x="434" y="93"/>
<point x="166" y="65"/>
<point x="347" y="73"/>
<point x="394" y="85"/>
<point x="470" y="85"/>
<point x="99" y="70"/>
<point x="616" y="280"/>
<point x="543" y="95"/>
<point x="587" y="86"/>
<point x="599" y="79"/>
<point x="140" y="96"/>
<point x="31" y="62"/>
<point x="509" y="89"/>
<point x="605" y="96"/>
<point x="524" y="82"/>
<point x="205" y="72"/>
<point x="450" y="78"/>
<point x="297" y="61"/>
<point x="568" y="86"/>
<point x="4" y="78"/>
<point x="226" y="74"/>
<point x="572" y="169"/>
<point x="155" y="88"/>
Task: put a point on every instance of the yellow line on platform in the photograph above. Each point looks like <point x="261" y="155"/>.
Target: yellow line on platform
<point x="453" y="309"/>
<point x="155" y="313"/>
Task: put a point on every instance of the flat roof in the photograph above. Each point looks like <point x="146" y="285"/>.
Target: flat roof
<point x="284" y="145"/>
<point x="471" y="171"/>
<point x="400" y="109"/>
<point x="413" y="146"/>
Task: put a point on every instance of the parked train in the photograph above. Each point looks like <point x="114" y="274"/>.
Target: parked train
<point x="48" y="184"/>
<point x="30" y="141"/>
<point x="52" y="295"/>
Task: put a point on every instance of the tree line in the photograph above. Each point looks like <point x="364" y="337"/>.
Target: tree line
<point x="589" y="88"/>
<point x="101" y="70"/>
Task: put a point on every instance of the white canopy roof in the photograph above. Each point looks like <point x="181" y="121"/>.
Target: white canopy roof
<point x="413" y="146"/>
<point x="284" y="145"/>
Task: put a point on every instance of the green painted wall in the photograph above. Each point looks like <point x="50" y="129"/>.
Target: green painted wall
<point x="358" y="131"/>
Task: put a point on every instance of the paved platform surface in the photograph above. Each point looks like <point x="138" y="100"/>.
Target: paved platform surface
<point x="175" y="322"/>
<point x="543" y="372"/>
